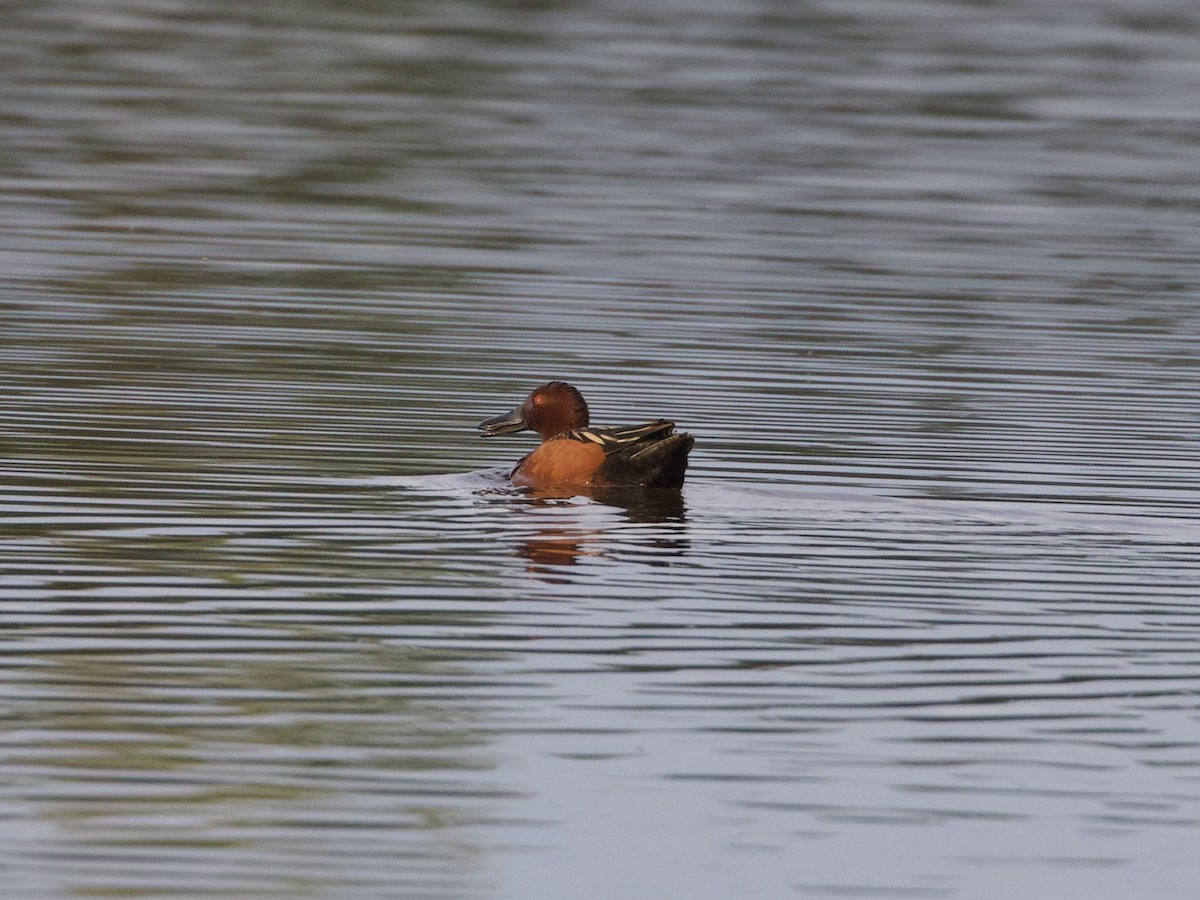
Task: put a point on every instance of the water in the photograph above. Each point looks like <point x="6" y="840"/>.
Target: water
<point x="919" y="277"/>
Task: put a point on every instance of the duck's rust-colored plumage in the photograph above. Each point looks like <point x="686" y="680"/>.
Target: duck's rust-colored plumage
<point x="573" y="455"/>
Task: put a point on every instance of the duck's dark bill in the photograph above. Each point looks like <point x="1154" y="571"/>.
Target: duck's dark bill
<point x="506" y="423"/>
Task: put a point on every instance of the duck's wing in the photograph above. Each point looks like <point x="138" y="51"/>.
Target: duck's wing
<point x="625" y="436"/>
<point x="653" y="455"/>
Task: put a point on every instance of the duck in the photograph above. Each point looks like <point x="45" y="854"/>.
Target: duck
<point x="574" y="455"/>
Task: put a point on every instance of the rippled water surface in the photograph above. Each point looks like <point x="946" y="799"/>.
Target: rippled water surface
<point x="918" y="276"/>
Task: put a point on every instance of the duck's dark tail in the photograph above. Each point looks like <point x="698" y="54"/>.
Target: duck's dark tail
<point x="654" y="463"/>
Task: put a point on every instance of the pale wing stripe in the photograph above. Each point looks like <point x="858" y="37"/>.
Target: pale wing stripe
<point x="590" y="436"/>
<point x="616" y="437"/>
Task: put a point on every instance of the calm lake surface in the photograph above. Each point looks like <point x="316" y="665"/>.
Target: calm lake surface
<point x="920" y="277"/>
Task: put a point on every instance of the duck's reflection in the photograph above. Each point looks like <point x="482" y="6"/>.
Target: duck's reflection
<point x="660" y="535"/>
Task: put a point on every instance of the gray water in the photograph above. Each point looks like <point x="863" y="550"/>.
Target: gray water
<point x="918" y="276"/>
